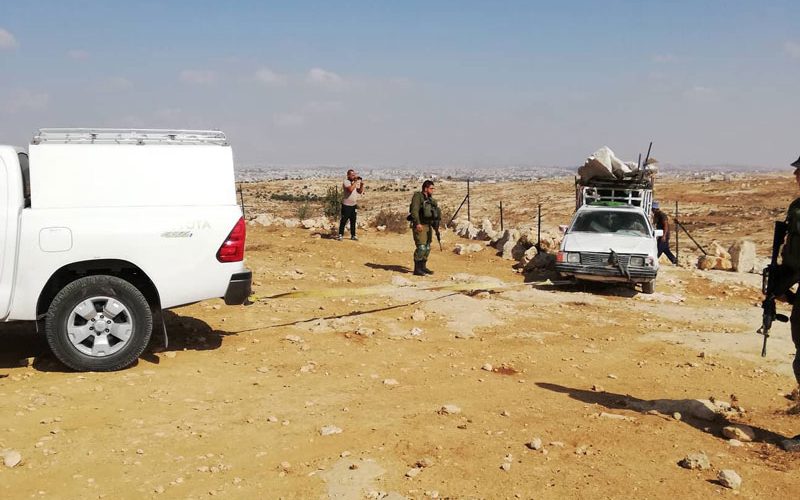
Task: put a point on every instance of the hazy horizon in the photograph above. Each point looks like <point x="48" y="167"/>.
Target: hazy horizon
<point x="472" y="84"/>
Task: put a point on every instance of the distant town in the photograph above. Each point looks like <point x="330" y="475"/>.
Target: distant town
<point x="255" y="173"/>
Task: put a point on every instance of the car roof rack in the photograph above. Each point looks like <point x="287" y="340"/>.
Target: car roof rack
<point x="128" y="136"/>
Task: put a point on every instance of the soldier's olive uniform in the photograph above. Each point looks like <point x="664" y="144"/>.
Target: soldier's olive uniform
<point x="791" y="266"/>
<point x="424" y="211"/>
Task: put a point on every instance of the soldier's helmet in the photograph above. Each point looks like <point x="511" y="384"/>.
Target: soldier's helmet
<point x="796" y="164"/>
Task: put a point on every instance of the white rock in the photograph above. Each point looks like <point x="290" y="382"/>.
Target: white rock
<point x="729" y="479"/>
<point x="743" y="433"/>
<point x="505" y="466"/>
<point x="11" y="458"/>
<point x="329" y="430"/>
<point x="415" y="332"/>
<point x="449" y="410"/>
<point x="418" y="315"/>
<point x="743" y="256"/>
<point x="535" y="444"/>
<point x="412" y="473"/>
<point x="693" y="461"/>
<point x="390" y="381"/>
<point x="294" y="339"/>
<point x="487" y="367"/>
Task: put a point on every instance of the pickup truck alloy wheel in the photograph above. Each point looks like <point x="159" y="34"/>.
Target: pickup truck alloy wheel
<point x="98" y="323"/>
<point x="99" y="326"/>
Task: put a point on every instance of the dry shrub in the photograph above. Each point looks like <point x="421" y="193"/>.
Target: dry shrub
<point x="394" y="221"/>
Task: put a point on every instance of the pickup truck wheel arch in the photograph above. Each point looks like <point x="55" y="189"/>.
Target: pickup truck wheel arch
<point x="111" y="267"/>
<point x="124" y="317"/>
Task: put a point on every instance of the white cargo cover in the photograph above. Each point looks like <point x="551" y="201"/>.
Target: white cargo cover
<point x="165" y="171"/>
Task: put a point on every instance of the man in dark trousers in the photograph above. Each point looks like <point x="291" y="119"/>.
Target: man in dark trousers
<point x="789" y="274"/>
<point x="352" y="188"/>
<point x="422" y="213"/>
<point x="662" y="222"/>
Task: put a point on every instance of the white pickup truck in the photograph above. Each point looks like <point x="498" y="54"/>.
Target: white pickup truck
<point x="101" y="229"/>
<point x="611" y="238"/>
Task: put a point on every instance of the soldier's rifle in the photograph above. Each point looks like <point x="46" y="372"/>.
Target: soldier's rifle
<point x="769" y="286"/>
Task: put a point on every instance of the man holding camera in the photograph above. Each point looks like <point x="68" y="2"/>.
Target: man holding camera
<point x="352" y="188"/>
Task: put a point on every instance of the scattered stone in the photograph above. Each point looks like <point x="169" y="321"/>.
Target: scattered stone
<point x="412" y="473"/>
<point x="614" y="416"/>
<point x="677" y="416"/>
<point x="294" y="339"/>
<point x="505" y="466"/>
<point x="505" y="413"/>
<point x="449" y="410"/>
<point x="694" y="461"/>
<point x="390" y="381"/>
<point x="735" y="443"/>
<point x="535" y="444"/>
<point x="743" y="433"/>
<point x="329" y="430"/>
<point x="418" y="315"/>
<point x="598" y="388"/>
<point x="487" y="367"/>
<point x="424" y="463"/>
<point x="415" y="332"/>
<point x="262" y="369"/>
<point x="11" y="458"/>
<point x="729" y="479"/>
<point x="364" y="332"/>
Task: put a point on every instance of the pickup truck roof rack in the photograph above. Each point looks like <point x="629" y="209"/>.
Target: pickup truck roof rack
<point x="128" y="136"/>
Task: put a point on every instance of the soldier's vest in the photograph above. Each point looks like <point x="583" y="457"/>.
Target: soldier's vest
<point x="429" y="211"/>
<point x="791" y="251"/>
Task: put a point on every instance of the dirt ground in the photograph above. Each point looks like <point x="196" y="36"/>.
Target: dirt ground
<point x="337" y="390"/>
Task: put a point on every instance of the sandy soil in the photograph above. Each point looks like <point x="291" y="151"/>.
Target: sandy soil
<point x="236" y="405"/>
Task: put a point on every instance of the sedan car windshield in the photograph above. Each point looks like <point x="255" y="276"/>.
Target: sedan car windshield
<point x="606" y="221"/>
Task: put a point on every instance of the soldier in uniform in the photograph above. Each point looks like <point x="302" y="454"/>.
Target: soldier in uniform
<point x="423" y="212"/>
<point x="788" y="275"/>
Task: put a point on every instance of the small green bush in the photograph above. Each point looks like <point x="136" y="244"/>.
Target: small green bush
<point x="304" y="211"/>
<point x="394" y="221"/>
<point x="332" y="202"/>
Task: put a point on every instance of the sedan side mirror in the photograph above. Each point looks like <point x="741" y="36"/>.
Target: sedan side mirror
<point x="563" y="228"/>
<point x="659" y="233"/>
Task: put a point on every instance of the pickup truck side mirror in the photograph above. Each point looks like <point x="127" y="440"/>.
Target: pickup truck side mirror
<point x="563" y="228"/>
<point x="659" y="233"/>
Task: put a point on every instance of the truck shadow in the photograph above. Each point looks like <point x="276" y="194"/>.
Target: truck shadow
<point x="21" y="346"/>
<point x="663" y="407"/>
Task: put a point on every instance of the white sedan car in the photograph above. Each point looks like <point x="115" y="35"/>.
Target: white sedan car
<point x="610" y="243"/>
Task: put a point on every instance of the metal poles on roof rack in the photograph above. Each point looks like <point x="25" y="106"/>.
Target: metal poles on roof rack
<point x="128" y="136"/>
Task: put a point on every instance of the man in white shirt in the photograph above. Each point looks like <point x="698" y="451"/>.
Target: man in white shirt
<point x="352" y="187"/>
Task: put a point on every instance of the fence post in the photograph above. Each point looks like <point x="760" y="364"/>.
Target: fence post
<point x="469" y="214"/>
<point x="501" y="215"/>
<point x="677" y="235"/>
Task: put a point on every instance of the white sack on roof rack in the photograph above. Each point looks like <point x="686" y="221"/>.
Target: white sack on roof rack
<point x="604" y="165"/>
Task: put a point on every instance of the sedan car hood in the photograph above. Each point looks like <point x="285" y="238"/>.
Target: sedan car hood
<point x="604" y="242"/>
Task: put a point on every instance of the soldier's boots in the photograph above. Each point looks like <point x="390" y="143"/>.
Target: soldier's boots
<point x="425" y="267"/>
<point x="418" y="268"/>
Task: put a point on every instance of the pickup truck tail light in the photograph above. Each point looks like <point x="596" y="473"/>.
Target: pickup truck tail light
<point x="232" y="249"/>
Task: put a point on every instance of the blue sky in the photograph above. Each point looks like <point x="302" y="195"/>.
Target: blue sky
<point x="416" y="83"/>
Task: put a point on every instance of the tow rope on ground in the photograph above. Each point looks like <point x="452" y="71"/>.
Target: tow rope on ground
<point x="475" y="286"/>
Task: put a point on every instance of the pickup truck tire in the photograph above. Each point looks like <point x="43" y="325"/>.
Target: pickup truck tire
<point x="649" y="287"/>
<point x="125" y="319"/>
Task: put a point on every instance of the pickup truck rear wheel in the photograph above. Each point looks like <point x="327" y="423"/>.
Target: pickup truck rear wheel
<point x="649" y="287"/>
<point x="98" y="323"/>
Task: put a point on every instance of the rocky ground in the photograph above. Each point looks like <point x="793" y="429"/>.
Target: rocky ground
<point x="351" y="378"/>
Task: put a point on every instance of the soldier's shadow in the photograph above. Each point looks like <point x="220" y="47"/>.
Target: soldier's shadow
<point x="395" y="268"/>
<point x="687" y="407"/>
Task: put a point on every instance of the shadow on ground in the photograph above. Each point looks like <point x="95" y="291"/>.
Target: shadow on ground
<point x="21" y="345"/>
<point x="614" y="401"/>
<point x="395" y="268"/>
